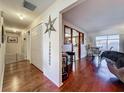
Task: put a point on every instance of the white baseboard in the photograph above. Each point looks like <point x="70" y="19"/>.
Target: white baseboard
<point x="60" y="84"/>
<point x="2" y="77"/>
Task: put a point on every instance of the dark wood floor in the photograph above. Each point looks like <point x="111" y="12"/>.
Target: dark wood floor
<point x="86" y="77"/>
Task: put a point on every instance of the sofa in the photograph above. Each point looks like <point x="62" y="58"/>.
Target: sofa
<point x="115" y="63"/>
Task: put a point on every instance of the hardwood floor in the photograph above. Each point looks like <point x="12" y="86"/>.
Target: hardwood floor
<point x="23" y="76"/>
<point x="86" y="77"/>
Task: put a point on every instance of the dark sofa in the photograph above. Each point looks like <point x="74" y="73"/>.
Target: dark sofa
<point x="115" y="63"/>
<point x="116" y="57"/>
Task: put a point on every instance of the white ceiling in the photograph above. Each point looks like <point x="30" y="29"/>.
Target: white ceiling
<point x="96" y="15"/>
<point x="14" y="7"/>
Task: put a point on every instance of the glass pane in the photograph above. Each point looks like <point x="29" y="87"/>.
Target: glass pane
<point x="101" y="38"/>
<point x="67" y="32"/>
<point x="67" y="35"/>
<point x="75" y="42"/>
<point x="113" y="37"/>
<point x="102" y="44"/>
<point x="113" y="45"/>
<point x="82" y="38"/>
<point x="75" y="33"/>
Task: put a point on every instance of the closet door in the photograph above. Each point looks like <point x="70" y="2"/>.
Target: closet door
<point x="36" y="47"/>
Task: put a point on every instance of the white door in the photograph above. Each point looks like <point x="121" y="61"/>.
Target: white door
<point x="36" y="47"/>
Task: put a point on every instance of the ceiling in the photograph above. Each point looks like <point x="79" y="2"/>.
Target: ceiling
<point x="13" y="8"/>
<point x="96" y="15"/>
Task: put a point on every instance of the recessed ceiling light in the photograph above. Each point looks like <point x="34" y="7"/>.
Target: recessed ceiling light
<point x="14" y="31"/>
<point x="21" y="17"/>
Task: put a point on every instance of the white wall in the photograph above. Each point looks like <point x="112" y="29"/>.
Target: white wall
<point x="2" y="55"/>
<point x="115" y="30"/>
<point x="86" y="39"/>
<point x="53" y="71"/>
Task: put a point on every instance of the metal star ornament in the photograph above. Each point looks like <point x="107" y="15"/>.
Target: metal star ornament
<point x="49" y="26"/>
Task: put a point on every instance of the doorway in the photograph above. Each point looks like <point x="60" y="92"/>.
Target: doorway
<point x="14" y="47"/>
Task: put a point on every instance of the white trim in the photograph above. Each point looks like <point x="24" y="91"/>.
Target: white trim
<point x="2" y="77"/>
<point x="60" y="84"/>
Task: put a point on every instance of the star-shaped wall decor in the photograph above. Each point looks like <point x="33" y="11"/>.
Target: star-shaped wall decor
<point x="49" y="26"/>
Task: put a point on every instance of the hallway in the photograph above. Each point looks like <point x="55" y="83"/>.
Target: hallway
<point x="23" y="76"/>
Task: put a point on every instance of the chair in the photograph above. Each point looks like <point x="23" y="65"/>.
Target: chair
<point x="72" y="56"/>
<point x="67" y="49"/>
<point x="64" y="67"/>
<point x="95" y="51"/>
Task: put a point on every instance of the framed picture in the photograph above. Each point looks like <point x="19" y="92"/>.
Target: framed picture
<point x="11" y="39"/>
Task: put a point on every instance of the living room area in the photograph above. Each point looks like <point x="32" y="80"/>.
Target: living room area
<point x="98" y="43"/>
